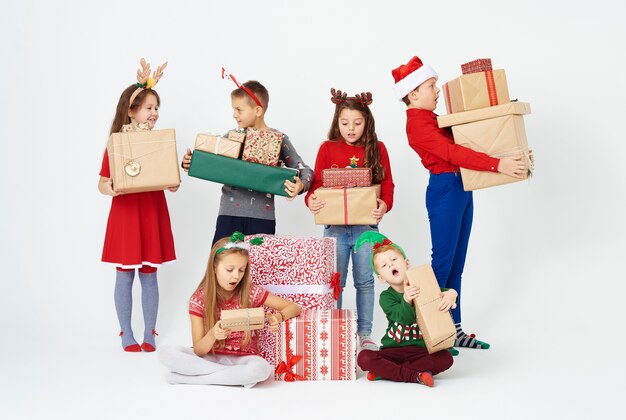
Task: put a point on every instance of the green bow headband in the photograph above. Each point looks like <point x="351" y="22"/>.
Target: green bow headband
<point x="237" y="241"/>
<point x="377" y="240"/>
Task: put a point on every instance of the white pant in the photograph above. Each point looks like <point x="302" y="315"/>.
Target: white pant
<point x="213" y="369"/>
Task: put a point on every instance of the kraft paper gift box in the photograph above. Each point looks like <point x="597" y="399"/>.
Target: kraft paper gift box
<point x="347" y="206"/>
<point x="239" y="173"/>
<point x="476" y="90"/>
<point x="246" y="319"/>
<point x="476" y="66"/>
<point x="318" y="345"/>
<point x="301" y="270"/>
<point x="262" y="146"/>
<point x="237" y="135"/>
<point x="143" y="160"/>
<point x="218" y="145"/>
<point x="347" y="177"/>
<point x="497" y="131"/>
<point x="437" y="327"/>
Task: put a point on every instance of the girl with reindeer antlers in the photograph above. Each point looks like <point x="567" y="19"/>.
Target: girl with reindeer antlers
<point x="352" y="142"/>
<point x="138" y="234"/>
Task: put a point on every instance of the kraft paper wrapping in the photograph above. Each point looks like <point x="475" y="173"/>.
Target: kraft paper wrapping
<point x="347" y="206"/>
<point x="476" y="90"/>
<point x="246" y="319"/>
<point x="219" y="145"/>
<point x="510" y="108"/>
<point x="437" y="327"/>
<point x="142" y="161"/>
<point x="498" y="137"/>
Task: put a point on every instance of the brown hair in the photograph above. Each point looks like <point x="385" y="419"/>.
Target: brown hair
<point x="259" y="91"/>
<point x="406" y="99"/>
<point x="368" y="139"/>
<point x="121" y="113"/>
<point x="212" y="293"/>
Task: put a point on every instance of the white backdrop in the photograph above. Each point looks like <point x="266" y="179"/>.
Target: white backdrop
<point x="542" y="281"/>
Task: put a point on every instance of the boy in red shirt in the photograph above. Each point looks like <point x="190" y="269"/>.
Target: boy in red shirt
<point x="450" y="208"/>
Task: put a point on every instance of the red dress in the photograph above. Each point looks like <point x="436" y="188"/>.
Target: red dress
<point x="139" y="230"/>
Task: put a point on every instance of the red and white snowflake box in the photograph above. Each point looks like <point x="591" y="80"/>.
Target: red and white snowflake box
<point x="318" y="345"/>
<point x="302" y="270"/>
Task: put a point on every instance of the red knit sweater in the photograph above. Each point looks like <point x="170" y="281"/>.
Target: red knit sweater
<point x="338" y="152"/>
<point x="436" y="146"/>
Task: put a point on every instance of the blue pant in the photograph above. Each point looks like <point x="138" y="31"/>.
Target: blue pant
<point x="226" y="225"/>
<point x="361" y="270"/>
<point x="450" y="213"/>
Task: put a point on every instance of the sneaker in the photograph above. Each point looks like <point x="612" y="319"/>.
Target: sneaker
<point x="425" y="378"/>
<point x="366" y="343"/>
<point x="371" y="376"/>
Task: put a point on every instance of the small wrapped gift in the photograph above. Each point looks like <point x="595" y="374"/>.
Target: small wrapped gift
<point x="347" y="206"/>
<point x="346" y="177"/>
<point x="246" y="319"/>
<point x="497" y="131"/>
<point x="476" y="66"/>
<point x="218" y="145"/>
<point x="239" y="173"/>
<point x="318" y="345"/>
<point x="476" y="90"/>
<point x="301" y="270"/>
<point x="142" y="160"/>
<point x="262" y="146"/>
<point x="437" y="327"/>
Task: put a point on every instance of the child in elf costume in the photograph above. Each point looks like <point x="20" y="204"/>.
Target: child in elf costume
<point x="450" y="208"/>
<point x="403" y="356"/>
<point x="244" y="210"/>
<point x="352" y="142"/>
<point x="139" y="234"/>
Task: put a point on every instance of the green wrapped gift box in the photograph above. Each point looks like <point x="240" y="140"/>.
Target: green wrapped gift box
<point x="240" y="173"/>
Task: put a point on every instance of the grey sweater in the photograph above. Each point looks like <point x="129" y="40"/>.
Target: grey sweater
<point x="249" y="203"/>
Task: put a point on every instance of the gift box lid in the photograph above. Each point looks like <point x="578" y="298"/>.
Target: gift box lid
<point x="242" y="319"/>
<point x="519" y="108"/>
<point x="476" y="66"/>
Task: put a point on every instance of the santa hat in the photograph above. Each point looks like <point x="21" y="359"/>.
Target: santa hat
<point x="410" y="75"/>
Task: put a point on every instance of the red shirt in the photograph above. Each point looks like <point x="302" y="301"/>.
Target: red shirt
<point x="234" y="342"/>
<point x="338" y="152"/>
<point x="437" y="149"/>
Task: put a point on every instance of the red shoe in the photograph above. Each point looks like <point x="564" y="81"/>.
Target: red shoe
<point x="147" y="347"/>
<point x="371" y="376"/>
<point x="425" y="378"/>
<point x="133" y="348"/>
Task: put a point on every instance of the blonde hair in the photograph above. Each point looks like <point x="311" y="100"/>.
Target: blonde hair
<point x="211" y="291"/>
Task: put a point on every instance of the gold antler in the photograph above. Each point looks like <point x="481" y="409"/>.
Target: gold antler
<point x="143" y="74"/>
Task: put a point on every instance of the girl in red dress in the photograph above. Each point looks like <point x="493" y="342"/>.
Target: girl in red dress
<point x="139" y="234"/>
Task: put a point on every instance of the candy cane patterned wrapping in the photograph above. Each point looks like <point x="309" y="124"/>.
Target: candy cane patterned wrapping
<point x="326" y="340"/>
<point x="297" y="269"/>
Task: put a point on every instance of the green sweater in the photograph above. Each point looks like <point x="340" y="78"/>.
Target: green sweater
<point x="402" y="329"/>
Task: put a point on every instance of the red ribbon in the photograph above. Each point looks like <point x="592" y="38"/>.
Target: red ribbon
<point x="335" y="283"/>
<point x="383" y="243"/>
<point x="448" y="100"/>
<point x="345" y="205"/>
<point x="287" y="369"/>
<point x="491" y="88"/>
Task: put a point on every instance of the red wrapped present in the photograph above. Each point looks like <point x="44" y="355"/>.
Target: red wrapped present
<point x="346" y="177"/>
<point x="476" y="66"/>
<point x="318" y="345"/>
<point x="302" y="270"/>
<point x="262" y="146"/>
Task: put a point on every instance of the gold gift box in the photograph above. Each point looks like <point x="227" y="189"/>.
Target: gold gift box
<point x="243" y="319"/>
<point x="437" y="327"/>
<point x="347" y="206"/>
<point x="142" y="161"/>
<point x="476" y="90"/>
<point x="497" y="131"/>
<point x="218" y="145"/>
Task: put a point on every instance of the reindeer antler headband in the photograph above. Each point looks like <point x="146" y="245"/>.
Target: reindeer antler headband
<point x="337" y="97"/>
<point x="144" y="81"/>
<point x="248" y="91"/>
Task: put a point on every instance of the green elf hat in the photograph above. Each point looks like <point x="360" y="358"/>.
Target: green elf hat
<point x="236" y="240"/>
<point x="376" y="239"/>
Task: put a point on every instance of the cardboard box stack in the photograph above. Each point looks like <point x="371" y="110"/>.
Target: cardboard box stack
<point x="483" y="118"/>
